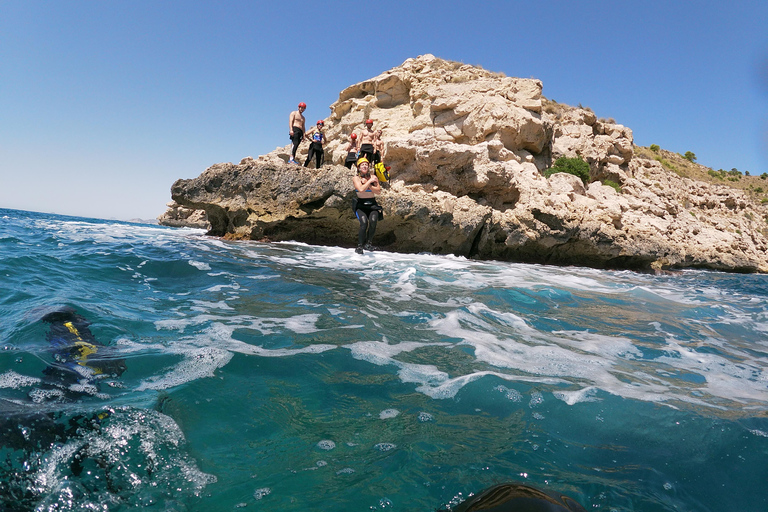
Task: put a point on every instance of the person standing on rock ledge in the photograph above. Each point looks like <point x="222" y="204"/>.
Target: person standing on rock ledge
<point x="296" y="130"/>
<point x="367" y="211"/>
<point x="378" y="148"/>
<point x="367" y="141"/>
<point x="352" y="151"/>
<point x="316" y="145"/>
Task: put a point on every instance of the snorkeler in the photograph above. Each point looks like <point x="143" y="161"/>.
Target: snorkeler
<point x="55" y="412"/>
<point x="78" y="357"/>
<point x="511" y="497"/>
<point x="367" y="211"/>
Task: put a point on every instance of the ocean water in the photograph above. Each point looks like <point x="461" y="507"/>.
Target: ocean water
<point x="244" y="375"/>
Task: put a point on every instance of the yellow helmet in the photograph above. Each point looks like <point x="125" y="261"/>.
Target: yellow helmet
<point x="361" y="160"/>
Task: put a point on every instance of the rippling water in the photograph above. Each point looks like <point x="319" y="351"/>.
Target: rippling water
<point x="292" y="377"/>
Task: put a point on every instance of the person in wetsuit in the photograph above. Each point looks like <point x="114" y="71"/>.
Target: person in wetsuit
<point x="378" y="148"/>
<point x="352" y="151"/>
<point x="367" y="211"/>
<point x="316" y="138"/>
<point x="296" y="129"/>
<point x="367" y="141"/>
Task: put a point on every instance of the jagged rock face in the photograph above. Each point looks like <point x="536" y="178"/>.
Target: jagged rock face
<point x="178" y="216"/>
<point x="467" y="148"/>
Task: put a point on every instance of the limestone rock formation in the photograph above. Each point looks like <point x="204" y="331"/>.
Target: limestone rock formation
<point x="178" y="216"/>
<point x="468" y="148"/>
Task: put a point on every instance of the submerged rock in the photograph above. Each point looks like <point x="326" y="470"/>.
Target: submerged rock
<point x="468" y="148"/>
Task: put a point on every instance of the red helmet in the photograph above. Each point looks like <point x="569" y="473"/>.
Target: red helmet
<point x="370" y="121"/>
<point x="302" y="105"/>
<point x="353" y="136"/>
<point x="321" y="122"/>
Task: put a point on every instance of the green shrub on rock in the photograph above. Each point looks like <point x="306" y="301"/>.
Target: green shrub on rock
<point x="576" y="166"/>
<point x="615" y="186"/>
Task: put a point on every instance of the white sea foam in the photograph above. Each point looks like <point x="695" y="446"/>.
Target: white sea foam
<point x="197" y="364"/>
<point x="574" y="397"/>
<point x="326" y="444"/>
<point x="11" y="379"/>
<point x="424" y="417"/>
<point x="204" y="306"/>
<point x="388" y="414"/>
<point x="259" y="494"/>
<point x="199" y="265"/>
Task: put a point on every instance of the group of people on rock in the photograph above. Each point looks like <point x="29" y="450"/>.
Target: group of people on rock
<point x="367" y="144"/>
<point x="363" y="151"/>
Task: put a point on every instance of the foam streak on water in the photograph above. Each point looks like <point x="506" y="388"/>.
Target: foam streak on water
<point x="292" y="377"/>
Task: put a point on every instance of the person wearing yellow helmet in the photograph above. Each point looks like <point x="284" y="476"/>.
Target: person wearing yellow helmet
<point x="367" y="210"/>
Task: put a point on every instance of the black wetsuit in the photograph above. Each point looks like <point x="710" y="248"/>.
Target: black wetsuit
<point x="368" y="212"/>
<point x="316" y="150"/>
<point x="298" y="134"/>
<point x="366" y="150"/>
<point x="350" y="160"/>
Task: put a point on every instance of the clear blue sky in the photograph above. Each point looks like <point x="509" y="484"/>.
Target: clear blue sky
<point x="104" y="104"/>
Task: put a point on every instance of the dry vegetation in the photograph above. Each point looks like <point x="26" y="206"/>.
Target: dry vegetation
<point x="756" y="186"/>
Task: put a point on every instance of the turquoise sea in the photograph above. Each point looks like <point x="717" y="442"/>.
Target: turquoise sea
<point x="221" y="376"/>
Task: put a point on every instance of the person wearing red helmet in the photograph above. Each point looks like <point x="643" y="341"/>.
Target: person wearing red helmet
<point x="296" y="129"/>
<point x="367" y="141"/>
<point x="352" y="150"/>
<point x="317" y="139"/>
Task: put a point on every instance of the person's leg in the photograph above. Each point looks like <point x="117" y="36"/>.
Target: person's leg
<point x="374" y="218"/>
<point x="310" y="154"/>
<point x="320" y="158"/>
<point x="361" y="233"/>
<point x="297" y="136"/>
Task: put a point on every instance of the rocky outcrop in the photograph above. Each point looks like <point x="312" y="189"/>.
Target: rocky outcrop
<point x="178" y="216"/>
<point x="468" y="149"/>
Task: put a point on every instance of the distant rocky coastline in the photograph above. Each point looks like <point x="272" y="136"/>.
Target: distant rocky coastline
<point x="468" y="150"/>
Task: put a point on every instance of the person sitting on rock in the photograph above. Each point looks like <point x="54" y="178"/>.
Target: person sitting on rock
<point x="367" y="140"/>
<point x="367" y="211"/>
<point x="316" y="138"/>
<point x="352" y="150"/>
<point x="296" y="129"/>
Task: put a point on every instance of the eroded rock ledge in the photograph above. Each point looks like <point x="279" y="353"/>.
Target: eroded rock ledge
<point x="468" y="148"/>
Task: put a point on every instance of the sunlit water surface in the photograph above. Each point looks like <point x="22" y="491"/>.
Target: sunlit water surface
<point x="293" y="377"/>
